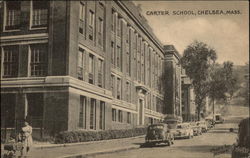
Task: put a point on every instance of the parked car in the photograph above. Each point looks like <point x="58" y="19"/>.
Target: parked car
<point x="159" y="133"/>
<point x="203" y="125"/>
<point x="218" y="118"/>
<point x="183" y="130"/>
<point x="210" y="122"/>
<point x="197" y="130"/>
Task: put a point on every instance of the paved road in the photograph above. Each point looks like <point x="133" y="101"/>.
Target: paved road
<point x="198" y="147"/>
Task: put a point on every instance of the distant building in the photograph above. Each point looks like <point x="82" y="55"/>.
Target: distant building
<point x="188" y="98"/>
<point x="173" y="71"/>
<point x="89" y="65"/>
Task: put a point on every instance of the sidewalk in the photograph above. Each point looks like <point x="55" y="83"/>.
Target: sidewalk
<point x="84" y="149"/>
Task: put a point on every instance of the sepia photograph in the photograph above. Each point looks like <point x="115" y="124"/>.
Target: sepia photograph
<point x="124" y="79"/>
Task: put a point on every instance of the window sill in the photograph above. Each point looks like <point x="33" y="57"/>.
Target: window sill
<point x="38" y="28"/>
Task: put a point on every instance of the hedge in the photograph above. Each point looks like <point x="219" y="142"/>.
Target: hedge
<point x="240" y="152"/>
<point x="85" y="136"/>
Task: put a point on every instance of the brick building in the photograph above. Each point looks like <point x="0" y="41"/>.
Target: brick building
<point x="68" y="65"/>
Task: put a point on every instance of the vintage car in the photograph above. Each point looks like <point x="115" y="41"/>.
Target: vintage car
<point x="183" y="130"/>
<point x="210" y="122"/>
<point x="159" y="133"/>
<point x="218" y="118"/>
<point x="203" y="126"/>
<point x="196" y="129"/>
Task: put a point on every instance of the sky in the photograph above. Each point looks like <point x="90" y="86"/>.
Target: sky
<point x="228" y="34"/>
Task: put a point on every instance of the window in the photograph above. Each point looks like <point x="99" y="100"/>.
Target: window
<point x="91" y="69"/>
<point x="138" y="59"/>
<point x="119" y="25"/>
<point x="149" y="102"/>
<point x="10" y="61"/>
<point x="128" y="34"/>
<point x="112" y="52"/>
<point x="135" y="54"/>
<point x="118" y="57"/>
<point x="113" y="114"/>
<point x="128" y="117"/>
<point x="13" y="12"/>
<point x="128" y="65"/>
<point x="100" y="73"/>
<point x="91" y="18"/>
<point x="148" y="66"/>
<point x="156" y="66"/>
<point x="113" y="20"/>
<point x="81" y="63"/>
<point x="82" y="11"/>
<point x="39" y="13"/>
<point x="112" y="84"/>
<point x="128" y="92"/>
<point x="38" y="61"/>
<point x="101" y="4"/>
<point x="91" y="24"/>
<point x="92" y="114"/>
<point x="100" y="31"/>
<point x="82" y="112"/>
<point x="119" y="88"/>
<point x="120" y="116"/>
<point x="143" y="63"/>
<point x="102" y="116"/>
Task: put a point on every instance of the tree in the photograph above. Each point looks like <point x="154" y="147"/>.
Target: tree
<point x="244" y="90"/>
<point x="222" y="81"/>
<point x="197" y="60"/>
<point x="230" y="80"/>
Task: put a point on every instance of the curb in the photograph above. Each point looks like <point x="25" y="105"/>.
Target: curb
<point x="83" y="155"/>
<point x="82" y="143"/>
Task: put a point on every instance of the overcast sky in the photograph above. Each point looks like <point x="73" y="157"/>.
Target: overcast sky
<point x="227" y="34"/>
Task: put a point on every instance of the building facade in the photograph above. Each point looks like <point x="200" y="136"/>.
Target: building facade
<point x="78" y="65"/>
<point x="173" y="83"/>
<point x="188" y="98"/>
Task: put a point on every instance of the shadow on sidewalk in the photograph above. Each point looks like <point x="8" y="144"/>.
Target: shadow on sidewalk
<point x="199" y="148"/>
<point x="145" y="145"/>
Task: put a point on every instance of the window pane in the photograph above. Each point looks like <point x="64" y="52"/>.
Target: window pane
<point x="10" y="61"/>
<point x="38" y="62"/>
<point x="102" y="116"/>
<point x="39" y="13"/>
<point x="13" y="11"/>
<point x="82" y="112"/>
<point x="80" y="69"/>
<point x="113" y="114"/>
<point x="92" y="113"/>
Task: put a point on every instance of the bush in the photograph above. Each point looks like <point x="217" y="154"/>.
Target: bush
<point x="84" y="136"/>
<point x="240" y="152"/>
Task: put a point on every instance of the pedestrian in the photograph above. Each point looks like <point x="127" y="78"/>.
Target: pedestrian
<point x="28" y="141"/>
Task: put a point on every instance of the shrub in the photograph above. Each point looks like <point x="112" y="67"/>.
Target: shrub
<point x="84" y="136"/>
<point x="240" y="152"/>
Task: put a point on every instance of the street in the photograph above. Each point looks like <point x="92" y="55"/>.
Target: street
<point x="197" y="147"/>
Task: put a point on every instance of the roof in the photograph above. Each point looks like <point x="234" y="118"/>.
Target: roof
<point x="170" y="49"/>
<point x="135" y="11"/>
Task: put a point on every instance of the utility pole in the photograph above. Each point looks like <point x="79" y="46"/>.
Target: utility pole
<point x="213" y="108"/>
